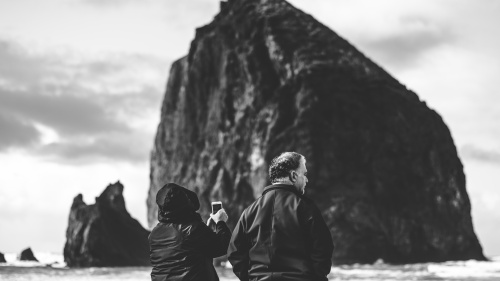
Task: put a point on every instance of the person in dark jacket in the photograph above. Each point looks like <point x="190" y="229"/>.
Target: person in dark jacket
<point x="181" y="245"/>
<point x="282" y="235"/>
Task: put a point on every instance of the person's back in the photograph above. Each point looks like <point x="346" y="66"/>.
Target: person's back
<point x="184" y="251"/>
<point x="181" y="245"/>
<point x="281" y="236"/>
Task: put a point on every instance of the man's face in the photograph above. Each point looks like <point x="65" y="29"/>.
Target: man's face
<point x="300" y="176"/>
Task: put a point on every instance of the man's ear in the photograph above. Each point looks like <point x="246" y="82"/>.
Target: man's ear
<point x="292" y="176"/>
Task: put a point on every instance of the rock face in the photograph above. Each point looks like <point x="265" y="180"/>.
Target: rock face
<point x="104" y="234"/>
<point x="27" y="255"/>
<point x="2" y="258"/>
<point x="264" y="78"/>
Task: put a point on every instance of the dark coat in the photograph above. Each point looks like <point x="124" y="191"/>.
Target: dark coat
<point x="181" y="245"/>
<point x="281" y="236"/>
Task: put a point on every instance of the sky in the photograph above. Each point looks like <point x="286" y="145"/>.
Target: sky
<point x="82" y="81"/>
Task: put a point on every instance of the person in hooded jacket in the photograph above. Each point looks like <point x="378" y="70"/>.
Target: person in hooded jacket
<point x="181" y="245"/>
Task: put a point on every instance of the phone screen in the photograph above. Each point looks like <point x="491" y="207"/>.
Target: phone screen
<point x="216" y="206"/>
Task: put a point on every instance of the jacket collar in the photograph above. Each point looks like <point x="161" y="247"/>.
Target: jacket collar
<point x="287" y="187"/>
<point x="179" y="216"/>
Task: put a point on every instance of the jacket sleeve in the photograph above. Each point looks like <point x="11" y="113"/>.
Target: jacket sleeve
<point x="320" y="241"/>
<point x="237" y="253"/>
<point x="214" y="243"/>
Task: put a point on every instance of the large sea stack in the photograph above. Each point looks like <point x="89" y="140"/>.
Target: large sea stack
<point x="263" y="78"/>
<point x="104" y="234"/>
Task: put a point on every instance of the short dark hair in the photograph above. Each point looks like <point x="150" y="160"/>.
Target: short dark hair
<point x="282" y="165"/>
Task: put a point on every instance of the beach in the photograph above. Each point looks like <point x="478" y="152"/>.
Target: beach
<point x="52" y="268"/>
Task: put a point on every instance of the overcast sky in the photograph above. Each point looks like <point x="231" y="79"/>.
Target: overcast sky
<point x="81" y="85"/>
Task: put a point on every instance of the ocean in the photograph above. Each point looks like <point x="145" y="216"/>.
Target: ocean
<point x="51" y="268"/>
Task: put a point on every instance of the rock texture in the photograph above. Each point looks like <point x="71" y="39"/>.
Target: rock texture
<point x="264" y="78"/>
<point x="27" y="255"/>
<point x="104" y="234"/>
<point x="2" y="258"/>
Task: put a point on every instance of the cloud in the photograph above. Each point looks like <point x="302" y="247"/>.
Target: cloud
<point x="96" y="108"/>
<point x="86" y="128"/>
<point x="18" y="67"/>
<point x="68" y="115"/>
<point x="14" y="132"/>
<point x="415" y="37"/>
<point x="474" y="153"/>
<point x="112" y="3"/>
<point x="112" y="147"/>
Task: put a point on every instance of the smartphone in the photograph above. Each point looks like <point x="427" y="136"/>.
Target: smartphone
<point x="216" y="206"/>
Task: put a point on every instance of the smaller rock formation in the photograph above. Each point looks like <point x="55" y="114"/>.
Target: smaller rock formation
<point x="2" y="258"/>
<point x="27" y="255"/>
<point x="104" y="234"/>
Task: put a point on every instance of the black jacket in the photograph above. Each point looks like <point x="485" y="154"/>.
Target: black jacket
<point x="281" y="236"/>
<point x="184" y="251"/>
<point x="181" y="245"/>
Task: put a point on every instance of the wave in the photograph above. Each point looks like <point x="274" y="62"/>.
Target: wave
<point x="471" y="268"/>
<point x="44" y="259"/>
<point x="453" y="270"/>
